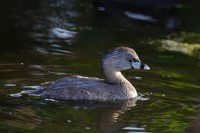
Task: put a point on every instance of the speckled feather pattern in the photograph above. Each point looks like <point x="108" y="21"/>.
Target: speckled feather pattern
<point x="83" y="88"/>
<point x="114" y="87"/>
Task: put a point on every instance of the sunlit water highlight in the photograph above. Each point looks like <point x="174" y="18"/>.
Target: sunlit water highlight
<point x="46" y="40"/>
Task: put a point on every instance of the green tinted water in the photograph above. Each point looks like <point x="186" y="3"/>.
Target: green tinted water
<point x="46" y="40"/>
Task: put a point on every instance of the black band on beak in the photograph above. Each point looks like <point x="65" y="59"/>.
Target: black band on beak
<point x="142" y="65"/>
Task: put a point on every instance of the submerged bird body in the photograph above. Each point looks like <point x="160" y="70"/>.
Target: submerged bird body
<point x="114" y="87"/>
<point x="84" y="88"/>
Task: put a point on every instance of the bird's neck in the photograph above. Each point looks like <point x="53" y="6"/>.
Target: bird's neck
<point x="114" y="77"/>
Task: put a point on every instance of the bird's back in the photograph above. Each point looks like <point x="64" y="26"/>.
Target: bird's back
<point x="81" y="88"/>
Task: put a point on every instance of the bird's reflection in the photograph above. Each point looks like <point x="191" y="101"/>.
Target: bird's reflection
<point x="109" y="119"/>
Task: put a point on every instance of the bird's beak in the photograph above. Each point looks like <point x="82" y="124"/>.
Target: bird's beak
<point x="140" y="65"/>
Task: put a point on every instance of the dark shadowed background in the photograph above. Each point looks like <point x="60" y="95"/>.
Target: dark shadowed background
<point x="44" y="40"/>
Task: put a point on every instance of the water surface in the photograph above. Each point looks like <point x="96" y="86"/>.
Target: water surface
<point x="46" y="40"/>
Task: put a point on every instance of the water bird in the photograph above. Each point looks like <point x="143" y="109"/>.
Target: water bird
<point x="114" y="87"/>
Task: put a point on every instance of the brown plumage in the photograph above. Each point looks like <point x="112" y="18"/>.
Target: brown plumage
<point x="114" y="87"/>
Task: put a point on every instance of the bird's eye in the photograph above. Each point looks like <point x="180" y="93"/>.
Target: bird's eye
<point x="133" y="60"/>
<point x="130" y="60"/>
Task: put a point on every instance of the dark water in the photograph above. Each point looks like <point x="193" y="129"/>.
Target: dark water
<point x="46" y="40"/>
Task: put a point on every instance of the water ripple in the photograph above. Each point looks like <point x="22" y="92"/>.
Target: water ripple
<point x="10" y="85"/>
<point x="139" y="16"/>
<point x="133" y="129"/>
<point x="53" y="51"/>
<point x="62" y="33"/>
